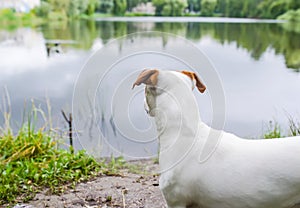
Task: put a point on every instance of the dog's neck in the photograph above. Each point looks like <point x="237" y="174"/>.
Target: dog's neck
<point x="177" y="120"/>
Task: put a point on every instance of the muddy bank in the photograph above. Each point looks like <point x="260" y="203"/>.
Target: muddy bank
<point x="127" y="189"/>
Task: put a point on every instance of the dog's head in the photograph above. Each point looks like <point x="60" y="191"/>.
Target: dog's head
<point x="161" y="82"/>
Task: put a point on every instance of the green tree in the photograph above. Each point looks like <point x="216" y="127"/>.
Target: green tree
<point x="59" y="5"/>
<point x="92" y="6"/>
<point x="132" y="3"/>
<point x="106" y="6"/>
<point x="250" y="8"/>
<point x="83" y="5"/>
<point x="245" y="8"/>
<point x="43" y="10"/>
<point x="77" y="7"/>
<point x="234" y="8"/>
<point x="294" y="4"/>
<point x="59" y="9"/>
<point x="293" y="16"/>
<point x="278" y="7"/>
<point x="221" y="7"/>
<point x="240" y="8"/>
<point x="169" y="7"/>
<point x="73" y="10"/>
<point x="274" y="8"/>
<point x="167" y="10"/>
<point x="178" y="7"/>
<point x="263" y="9"/>
<point x="119" y="7"/>
<point x="194" y="5"/>
<point x="208" y="7"/>
<point x="159" y="5"/>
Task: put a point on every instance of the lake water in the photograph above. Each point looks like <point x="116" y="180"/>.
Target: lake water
<point x="257" y="63"/>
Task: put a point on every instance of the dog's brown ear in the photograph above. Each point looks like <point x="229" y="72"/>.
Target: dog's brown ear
<point x="148" y="77"/>
<point x="201" y="87"/>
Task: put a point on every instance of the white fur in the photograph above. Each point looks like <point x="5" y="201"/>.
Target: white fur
<point x="240" y="173"/>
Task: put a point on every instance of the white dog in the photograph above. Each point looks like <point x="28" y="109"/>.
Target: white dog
<point x="240" y="173"/>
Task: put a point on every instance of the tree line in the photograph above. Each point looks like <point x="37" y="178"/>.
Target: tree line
<point x="223" y="8"/>
<point x="256" y="39"/>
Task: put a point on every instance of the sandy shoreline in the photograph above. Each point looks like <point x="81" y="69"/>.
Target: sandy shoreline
<point x="127" y="189"/>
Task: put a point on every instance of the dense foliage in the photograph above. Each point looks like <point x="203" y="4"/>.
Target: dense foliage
<point x="30" y="162"/>
<point x="291" y="15"/>
<point x="119" y="8"/>
<point x="63" y="9"/>
<point x="105" y="6"/>
<point x="169" y="8"/>
<point x="208" y="7"/>
<point x="274" y="130"/>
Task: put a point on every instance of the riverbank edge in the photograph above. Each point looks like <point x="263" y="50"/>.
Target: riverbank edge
<point x="137" y="187"/>
<point x="187" y="19"/>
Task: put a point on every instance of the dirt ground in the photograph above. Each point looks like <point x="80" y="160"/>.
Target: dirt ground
<point x="130" y="190"/>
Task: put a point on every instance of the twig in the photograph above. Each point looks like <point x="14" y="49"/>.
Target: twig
<point x="124" y="191"/>
<point x="69" y="121"/>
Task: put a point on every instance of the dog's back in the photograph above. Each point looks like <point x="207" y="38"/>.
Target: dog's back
<point x="238" y="173"/>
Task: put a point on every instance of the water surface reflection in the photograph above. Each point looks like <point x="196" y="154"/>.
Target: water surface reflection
<point x="257" y="62"/>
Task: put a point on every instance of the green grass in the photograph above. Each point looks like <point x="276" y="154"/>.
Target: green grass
<point x="31" y="162"/>
<point x="294" y="127"/>
<point x="275" y="131"/>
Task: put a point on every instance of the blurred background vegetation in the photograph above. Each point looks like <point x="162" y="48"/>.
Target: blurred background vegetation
<point x="65" y="9"/>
